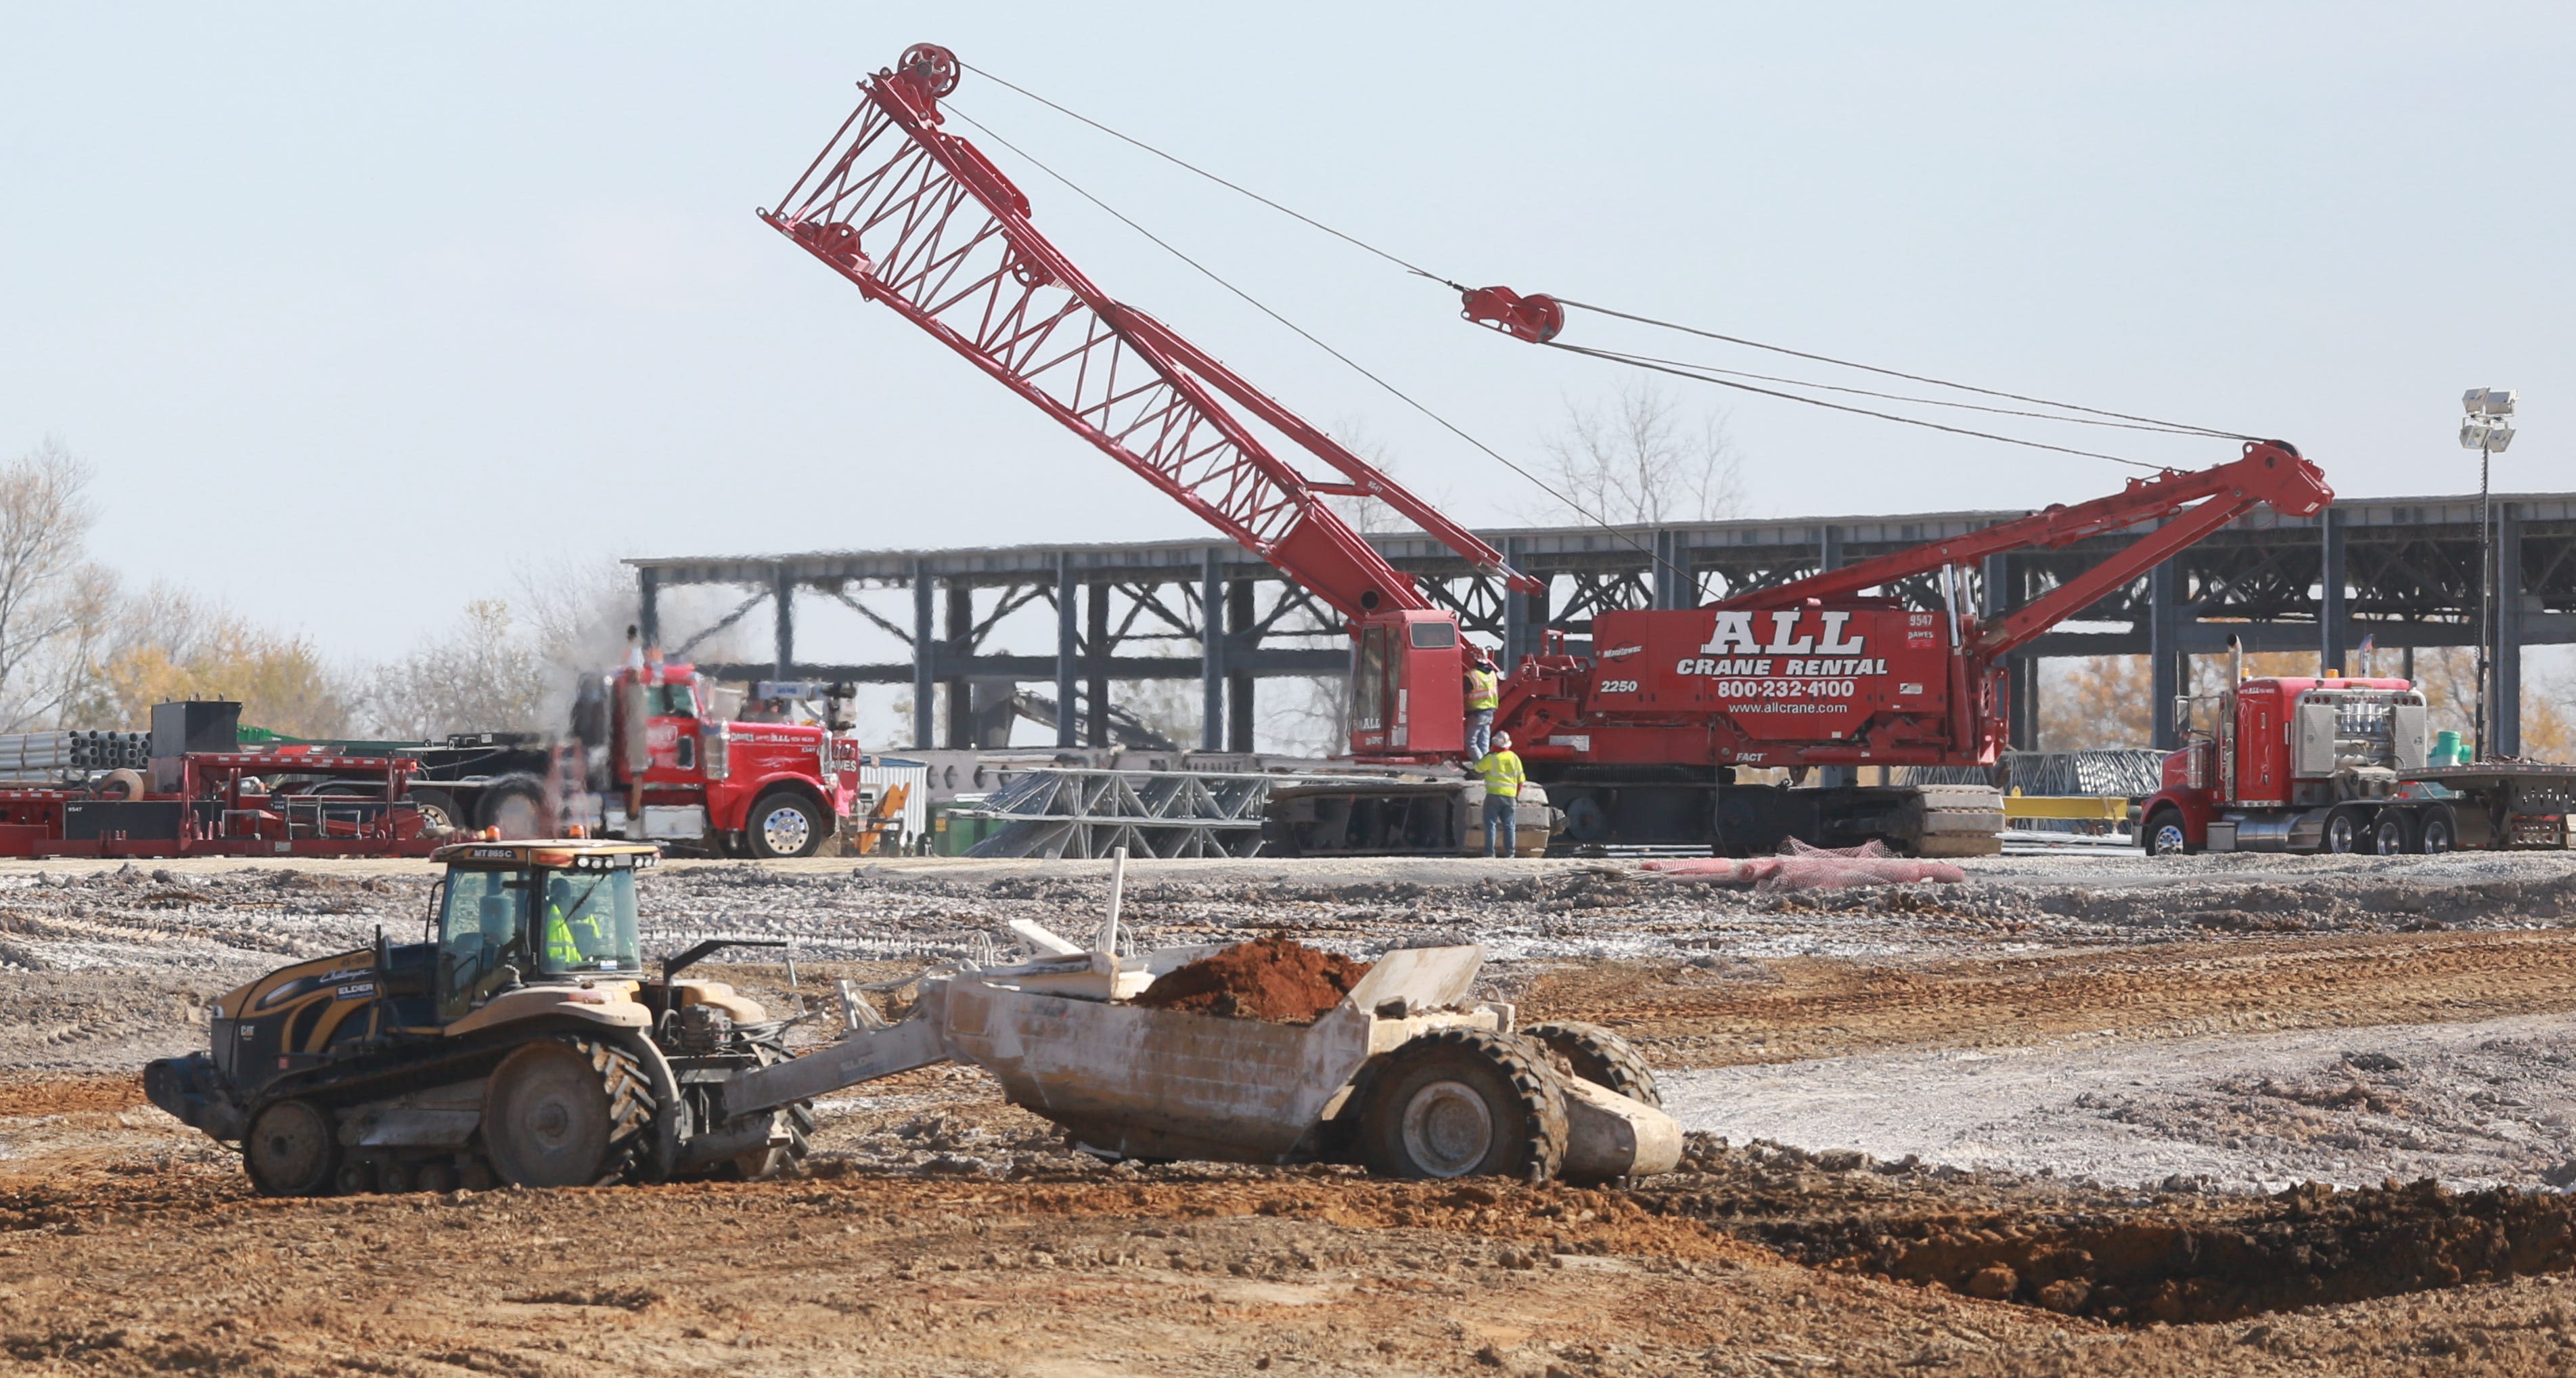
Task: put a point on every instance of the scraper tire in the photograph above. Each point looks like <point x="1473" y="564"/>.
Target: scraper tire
<point x="1464" y="1102"/>
<point x="1600" y="1057"/>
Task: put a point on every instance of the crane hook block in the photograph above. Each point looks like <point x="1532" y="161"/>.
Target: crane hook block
<point x="1536" y="318"/>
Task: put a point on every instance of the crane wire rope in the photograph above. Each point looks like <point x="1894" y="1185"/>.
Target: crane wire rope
<point x="1257" y="304"/>
<point x="2130" y="421"/>
<point x="1682" y="370"/>
<point x="1353" y="240"/>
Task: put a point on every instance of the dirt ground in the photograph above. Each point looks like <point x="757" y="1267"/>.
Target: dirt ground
<point x="2045" y="1122"/>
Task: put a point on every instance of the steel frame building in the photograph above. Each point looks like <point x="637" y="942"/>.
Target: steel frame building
<point x="2402" y="570"/>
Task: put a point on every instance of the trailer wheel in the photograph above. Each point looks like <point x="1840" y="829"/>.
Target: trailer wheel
<point x="438" y="809"/>
<point x="2441" y="831"/>
<point x="1600" y="1057"/>
<point x="516" y="804"/>
<point x="291" y="1150"/>
<point x="783" y="823"/>
<point x="2346" y="829"/>
<point x="2394" y="834"/>
<point x="2164" y="835"/>
<point x="1464" y="1102"/>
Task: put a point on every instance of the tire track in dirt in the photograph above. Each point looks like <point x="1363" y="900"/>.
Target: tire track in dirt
<point x="1795" y="1009"/>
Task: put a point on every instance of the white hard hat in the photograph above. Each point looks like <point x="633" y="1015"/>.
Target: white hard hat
<point x="1502" y="739"/>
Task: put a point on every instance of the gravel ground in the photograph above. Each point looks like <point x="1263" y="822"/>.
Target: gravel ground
<point x="2473" y="1105"/>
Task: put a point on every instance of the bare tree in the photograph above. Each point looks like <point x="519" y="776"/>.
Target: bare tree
<point x="49" y="590"/>
<point x="484" y="675"/>
<point x="1639" y="460"/>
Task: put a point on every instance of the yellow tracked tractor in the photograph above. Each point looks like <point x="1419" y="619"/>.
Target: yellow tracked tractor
<point x="520" y="1042"/>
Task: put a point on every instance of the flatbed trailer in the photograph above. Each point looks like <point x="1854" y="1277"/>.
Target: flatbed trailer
<point x="324" y="805"/>
<point x="2496" y="805"/>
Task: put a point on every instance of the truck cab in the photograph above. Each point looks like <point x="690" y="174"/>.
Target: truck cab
<point x="2298" y="764"/>
<point x="667" y="764"/>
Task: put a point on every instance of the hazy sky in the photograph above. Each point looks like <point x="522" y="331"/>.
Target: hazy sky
<point x="351" y="307"/>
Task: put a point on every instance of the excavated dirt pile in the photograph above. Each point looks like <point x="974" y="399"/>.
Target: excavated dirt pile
<point x="2310" y="1246"/>
<point x="1276" y="978"/>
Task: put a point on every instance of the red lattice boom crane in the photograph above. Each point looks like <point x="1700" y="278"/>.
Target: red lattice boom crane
<point x="1639" y="739"/>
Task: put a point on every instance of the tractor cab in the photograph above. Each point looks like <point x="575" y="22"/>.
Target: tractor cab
<point x="535" y="913"/>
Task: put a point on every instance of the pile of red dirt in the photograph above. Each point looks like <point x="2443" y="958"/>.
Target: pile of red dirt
<point x="1276" y="978"/>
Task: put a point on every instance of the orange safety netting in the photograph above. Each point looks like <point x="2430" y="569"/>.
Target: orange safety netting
<point x="1803" y="867"/>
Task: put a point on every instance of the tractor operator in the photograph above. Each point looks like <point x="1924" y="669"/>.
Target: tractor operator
<point x="573" y="938"/>
<point x="1484" y="695"/>
<point x="1503" y="777"/>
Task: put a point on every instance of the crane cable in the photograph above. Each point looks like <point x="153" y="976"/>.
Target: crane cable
<point x="1696" y="372"/>
<point x="1693" y="371"/>
<point x="1257" y="304"/>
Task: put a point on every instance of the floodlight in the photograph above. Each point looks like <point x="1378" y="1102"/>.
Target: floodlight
<point x="2474" y="433"/>
<point x="2499" y="401"/>
<point x="2474" y="400"/>
<point x="2498" y="437"/>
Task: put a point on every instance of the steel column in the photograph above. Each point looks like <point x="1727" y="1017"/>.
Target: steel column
<point x="1211" y="653"/>
<point x="959" y="643"/>
<point x="648" y="604"/>
<point x="1829" y="548"/>
<point x="1239" y="619"/>
<point x="1518" y="641"/>
<point x="1999" y="592"/>
<point x="2022" y="730"/>
<point x="1096" y="700"/>
<point x="925" y="657"/>
<point x="2330" y="607"/>
<point x="1068" y="651"/>
<point x="1671" y="572"/>
<point x="782" y="600"/>
<point x="2164" y="653"/>
<point x="2508" y="638"/>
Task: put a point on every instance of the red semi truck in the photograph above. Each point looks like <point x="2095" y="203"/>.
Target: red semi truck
<point x="2339" y="765"/>
<point x="761" y="789"/>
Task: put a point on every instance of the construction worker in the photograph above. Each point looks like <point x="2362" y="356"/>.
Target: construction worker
<point x="1503" y="777"/>
<point x="1484" y="695"/>
<point x="572" y="940"/>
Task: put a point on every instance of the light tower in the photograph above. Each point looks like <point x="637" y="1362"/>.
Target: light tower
<point x="2486" y="428"/>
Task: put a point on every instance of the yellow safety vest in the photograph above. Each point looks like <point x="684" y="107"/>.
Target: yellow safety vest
<point x="1484" y="689"/>
<point x="1503" y="774"/>
<point x="561" y="948"/>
